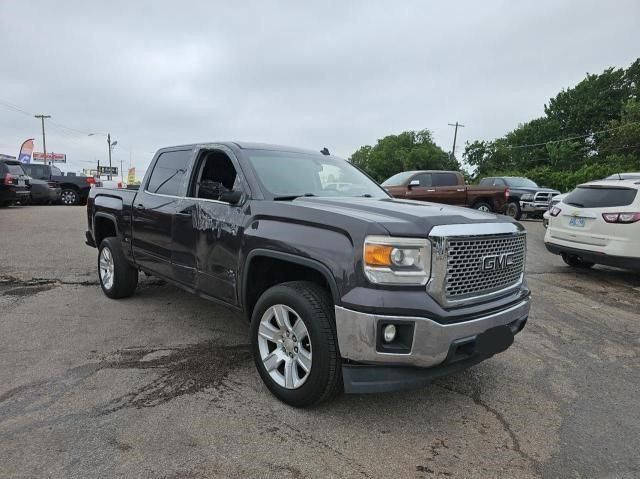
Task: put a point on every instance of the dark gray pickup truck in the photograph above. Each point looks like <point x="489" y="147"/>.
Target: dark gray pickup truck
<point x="345" y="287"/>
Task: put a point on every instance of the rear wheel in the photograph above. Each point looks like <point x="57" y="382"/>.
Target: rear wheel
<point x="513" y="210"/>
<point x="576" y="261"/>
<point x="483" y="206"/>
<point x="117" y="277"/>
<point x="70" y="197"/>
<point x="294" y="343"/>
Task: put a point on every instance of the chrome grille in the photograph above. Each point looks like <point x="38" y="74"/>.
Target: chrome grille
<point x="544" y="196"/>
<point x="465" y="276"/>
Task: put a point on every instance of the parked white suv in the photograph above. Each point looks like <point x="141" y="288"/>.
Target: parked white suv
<point x="597" y="223"/>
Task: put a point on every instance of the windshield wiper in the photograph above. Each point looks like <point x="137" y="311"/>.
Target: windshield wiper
<point x="579" y="205"/>
<point x="366" y="195"/>
<point x="291" y="197"/>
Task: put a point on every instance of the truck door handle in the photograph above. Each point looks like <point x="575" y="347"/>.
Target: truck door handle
<point x="430" y="191"/>
<point x="460" y="189"/>
<point x="139" y="206"/>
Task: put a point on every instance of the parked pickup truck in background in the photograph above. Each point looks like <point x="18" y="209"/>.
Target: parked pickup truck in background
<point x="75" y="188"/>
<point x="447" y="187"/>
<point x="344" y="287"/>
<point x="525" y="196"/>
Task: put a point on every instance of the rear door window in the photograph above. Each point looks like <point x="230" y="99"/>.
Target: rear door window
<point x="445" y="179"/>
<point x="169" y="172"/>
<point x="601" y="197"/>
<point x="424" y="179"/>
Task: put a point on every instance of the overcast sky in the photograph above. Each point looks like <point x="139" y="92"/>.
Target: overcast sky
<point x="334" y="74"/>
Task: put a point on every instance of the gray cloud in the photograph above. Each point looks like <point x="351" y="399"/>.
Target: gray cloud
<point x="336" y="74"/>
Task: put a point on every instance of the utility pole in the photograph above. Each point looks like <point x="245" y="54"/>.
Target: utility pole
<point x="455" y="137"/>
<point x="109" y="144"/>
<point x="44" y="141"/>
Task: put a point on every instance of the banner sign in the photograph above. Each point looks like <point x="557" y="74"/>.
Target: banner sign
<point x="25" y="151"/>
<point x="55" y="157"/>
<point x="107" y="170"/>
<point x="131" y="177"/>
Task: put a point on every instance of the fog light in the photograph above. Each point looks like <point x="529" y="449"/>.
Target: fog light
<point x="389" y="333"/>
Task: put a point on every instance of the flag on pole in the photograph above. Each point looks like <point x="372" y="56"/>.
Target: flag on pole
<point x="25" y="151"/>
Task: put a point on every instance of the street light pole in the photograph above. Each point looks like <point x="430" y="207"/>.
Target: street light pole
<point x="44" y="140"/>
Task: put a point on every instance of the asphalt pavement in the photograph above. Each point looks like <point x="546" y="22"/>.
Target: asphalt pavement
<point x="162" y="384"/>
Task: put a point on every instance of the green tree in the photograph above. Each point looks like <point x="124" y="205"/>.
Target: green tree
<point x="410" y="150"/>
<point x="589" y="131"/>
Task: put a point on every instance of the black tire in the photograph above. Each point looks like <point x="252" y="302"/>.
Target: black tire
<point x="314" y="306"/>
<point x="483" y="206"/>
<point x="125" y="276"/>
<point x="576" y="261"/>
<point x="513" y="210"/>
<point x="70" y="197"/>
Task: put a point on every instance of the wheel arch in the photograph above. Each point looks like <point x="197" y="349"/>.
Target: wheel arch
<point x="290" y="267"/>
<point x="104" y="226"/>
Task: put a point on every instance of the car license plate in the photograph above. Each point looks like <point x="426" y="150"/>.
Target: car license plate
<point x="577" y="222"/>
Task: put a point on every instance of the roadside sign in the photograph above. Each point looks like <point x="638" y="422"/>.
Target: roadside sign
<point x="108" y="170"/>
<point x="54" y="157"/>
<point x="131" y="177"/>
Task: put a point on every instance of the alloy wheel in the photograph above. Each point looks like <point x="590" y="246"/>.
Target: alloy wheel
<point x="285" y="346"/>
<point x="106" y="268"/>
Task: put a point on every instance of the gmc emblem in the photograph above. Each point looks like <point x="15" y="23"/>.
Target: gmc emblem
<point x="497" y="262"/>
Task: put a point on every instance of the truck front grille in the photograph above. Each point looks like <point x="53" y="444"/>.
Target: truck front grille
<point x="484" y="264"/>
<point x="544" y="196"/>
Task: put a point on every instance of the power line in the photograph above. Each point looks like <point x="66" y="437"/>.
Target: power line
<point x="511" y="147"/>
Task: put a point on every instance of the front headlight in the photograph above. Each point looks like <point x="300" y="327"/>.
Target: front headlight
<point x="527" y="197"/>
<point x="389" y="260"/>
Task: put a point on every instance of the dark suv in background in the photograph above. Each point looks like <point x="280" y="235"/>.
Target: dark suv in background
<point x="525" y="196"/>
<point x="14" y="184"/>
<point x="75" y="189"/>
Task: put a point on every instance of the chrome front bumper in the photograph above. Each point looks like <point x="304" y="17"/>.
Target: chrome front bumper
<point x="431" y="340"/>
<point x="534" y="207"/>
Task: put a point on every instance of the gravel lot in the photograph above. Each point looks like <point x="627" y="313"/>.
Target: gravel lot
<point x="162" y="384"/>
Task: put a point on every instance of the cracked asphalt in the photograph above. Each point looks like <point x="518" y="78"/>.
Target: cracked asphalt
<point x="162" y="384"/>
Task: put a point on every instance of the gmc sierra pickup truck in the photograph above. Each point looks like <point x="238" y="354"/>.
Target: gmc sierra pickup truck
<point x="344" y="287"/>
<point x="447" y="187"/>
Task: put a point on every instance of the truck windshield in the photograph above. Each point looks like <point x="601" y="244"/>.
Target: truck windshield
<point x="521" y="183"/>
<point x="287" y="174"/>
<point x="398" y="178"/>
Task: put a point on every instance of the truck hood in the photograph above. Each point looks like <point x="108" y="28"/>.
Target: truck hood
<point x="398" y="216"/>
<point x="532" y="190"/>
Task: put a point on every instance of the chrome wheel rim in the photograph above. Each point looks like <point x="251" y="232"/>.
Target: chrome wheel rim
<point x="68" y="197"/>
<point x="106" y="267"/>
<point x="484" y="209"/>
<point x="285" y="346"/>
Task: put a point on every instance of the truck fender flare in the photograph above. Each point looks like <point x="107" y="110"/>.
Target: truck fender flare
<point x="108" y="216"/>
<point x="292" y="258"/>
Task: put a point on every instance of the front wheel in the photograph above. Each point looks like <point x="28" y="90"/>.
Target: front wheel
<point x="513" y="210"/>
<point x="117" y="277"/>
<point x="70" y="197"/>
<point x="294" y="343"/>
<point x="576" y="261"/>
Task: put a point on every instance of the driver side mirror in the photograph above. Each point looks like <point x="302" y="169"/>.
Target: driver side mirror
<point x="232" y="197"/>
<point x="414" y="183"/>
